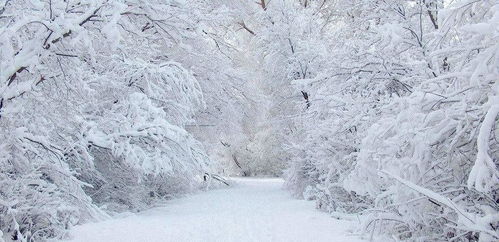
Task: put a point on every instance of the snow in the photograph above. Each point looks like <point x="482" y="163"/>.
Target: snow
<point x="483" y="175"/>
<point x="385" y="110"/>
<point x="464" y="217"/>
<point x="251" y="210"/>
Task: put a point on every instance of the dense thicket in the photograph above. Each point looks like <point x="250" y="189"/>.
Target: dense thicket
<point x="398" y="112"/>
<point x="95" y="99"/>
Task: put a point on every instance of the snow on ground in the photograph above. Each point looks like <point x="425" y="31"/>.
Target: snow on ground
<point x="251" y="210"/>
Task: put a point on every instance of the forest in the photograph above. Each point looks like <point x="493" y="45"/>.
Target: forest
<point x="385" y="112"/>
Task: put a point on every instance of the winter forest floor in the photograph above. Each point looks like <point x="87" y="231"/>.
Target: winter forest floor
<point x="250" y="210"/>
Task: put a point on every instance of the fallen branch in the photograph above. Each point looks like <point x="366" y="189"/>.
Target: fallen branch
<point x="216" y="177"/>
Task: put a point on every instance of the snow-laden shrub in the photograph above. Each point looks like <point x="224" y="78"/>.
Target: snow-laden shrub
<point x="39" y="196"/>
<point x="138" y="153"/>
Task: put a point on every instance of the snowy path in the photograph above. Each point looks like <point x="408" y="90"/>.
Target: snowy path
<point x="252" y="210"/>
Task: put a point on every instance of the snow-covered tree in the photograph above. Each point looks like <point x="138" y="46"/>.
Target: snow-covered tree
<point x="93" y="111"/>
<point x="402" y="118"/>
